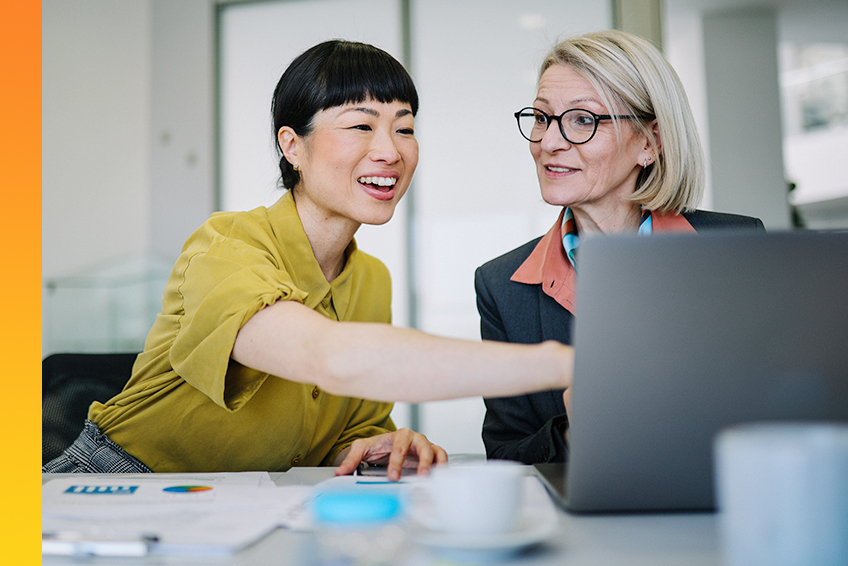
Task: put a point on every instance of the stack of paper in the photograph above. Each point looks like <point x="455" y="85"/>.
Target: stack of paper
<point x="164" y="513"/>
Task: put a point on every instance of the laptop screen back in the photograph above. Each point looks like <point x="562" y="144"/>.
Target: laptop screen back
<point x="678" y="336"/>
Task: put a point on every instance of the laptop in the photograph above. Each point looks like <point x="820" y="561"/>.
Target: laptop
<point x="678" y="336"/>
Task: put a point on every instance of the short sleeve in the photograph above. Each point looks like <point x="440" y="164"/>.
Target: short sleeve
<point x="221" y="288"/>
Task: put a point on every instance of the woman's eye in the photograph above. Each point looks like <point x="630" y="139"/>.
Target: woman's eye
<point x="362" y="127"/>
<point x="583" y="120"/>
<point x="407" y="131"/>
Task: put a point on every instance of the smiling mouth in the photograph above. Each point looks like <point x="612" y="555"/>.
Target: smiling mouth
<point x="559" y="169"/>
<point x="379" y="183"/>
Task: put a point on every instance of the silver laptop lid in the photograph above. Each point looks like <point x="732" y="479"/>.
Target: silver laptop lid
<point x="678" y="336"/>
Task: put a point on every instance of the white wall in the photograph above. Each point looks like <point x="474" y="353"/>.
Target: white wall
<point x="182" y="143"/>
<point x="96" y="119"/>
<point x="96" y="125"/>
<point x="128" y="161"/>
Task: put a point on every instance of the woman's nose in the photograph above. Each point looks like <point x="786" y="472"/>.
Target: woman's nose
<point x="384" y="148"/>
<point x="553" y="140"/>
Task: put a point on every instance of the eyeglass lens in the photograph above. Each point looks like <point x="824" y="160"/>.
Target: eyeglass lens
<point x="576" y="126"/>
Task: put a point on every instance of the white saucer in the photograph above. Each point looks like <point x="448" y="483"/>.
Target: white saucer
<point x="531" y="529"/>
<point x="537" y="521"/>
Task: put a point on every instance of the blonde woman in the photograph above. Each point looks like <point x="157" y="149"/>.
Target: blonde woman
<point x="616" y="148"/>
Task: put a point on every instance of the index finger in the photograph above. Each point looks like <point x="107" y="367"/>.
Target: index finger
<point x="401" y="441"/>
<point x="351" y="461"/>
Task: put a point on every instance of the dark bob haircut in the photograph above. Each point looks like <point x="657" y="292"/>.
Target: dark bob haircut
<point x="330" y="74"/>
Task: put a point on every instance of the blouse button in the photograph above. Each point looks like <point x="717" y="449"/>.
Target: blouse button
<point x="296" y="460"/>
<point x="315" y="393"/>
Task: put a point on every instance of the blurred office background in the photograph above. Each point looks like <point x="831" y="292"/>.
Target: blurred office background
<point x="156" y="114"/>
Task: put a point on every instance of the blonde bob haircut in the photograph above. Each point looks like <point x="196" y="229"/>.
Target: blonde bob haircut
<point x="632" y="77"/>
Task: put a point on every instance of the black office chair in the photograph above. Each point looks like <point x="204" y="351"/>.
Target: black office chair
<point x="69" y="384"/>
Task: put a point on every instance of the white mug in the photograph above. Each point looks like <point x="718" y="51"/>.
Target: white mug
<point x="782" y="494"/>
<point x="480" y="498"/>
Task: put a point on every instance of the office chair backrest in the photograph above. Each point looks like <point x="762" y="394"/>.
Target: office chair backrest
<point x="69" y="384"/>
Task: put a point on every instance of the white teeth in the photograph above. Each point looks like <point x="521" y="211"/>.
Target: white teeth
<point x="559" y="169"/>
<point x="380" y="181"/>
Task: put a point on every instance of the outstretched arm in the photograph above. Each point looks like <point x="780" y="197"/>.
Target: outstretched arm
<point x="386" y="363"/>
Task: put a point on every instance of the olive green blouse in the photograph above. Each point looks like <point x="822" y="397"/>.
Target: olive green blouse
<point x="190" y="408"/>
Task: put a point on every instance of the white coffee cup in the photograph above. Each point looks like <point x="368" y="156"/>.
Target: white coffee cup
<point x="782" y="494"/>
<point x="478" y="498"/>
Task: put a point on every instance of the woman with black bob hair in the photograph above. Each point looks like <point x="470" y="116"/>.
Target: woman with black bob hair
<point x="331" y="74"/>
<point x="274" y="347"/>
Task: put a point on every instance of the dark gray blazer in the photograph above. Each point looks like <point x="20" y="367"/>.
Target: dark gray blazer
<point x="529" y="428"/>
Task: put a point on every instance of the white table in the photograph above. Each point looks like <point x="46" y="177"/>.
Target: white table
<point x="676" y="539"/>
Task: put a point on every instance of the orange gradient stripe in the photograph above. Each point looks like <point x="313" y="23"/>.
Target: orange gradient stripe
<point x="20" y="283"/>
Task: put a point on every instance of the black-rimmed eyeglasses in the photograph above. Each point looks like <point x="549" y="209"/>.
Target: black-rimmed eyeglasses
<point x="577" y="125"/>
